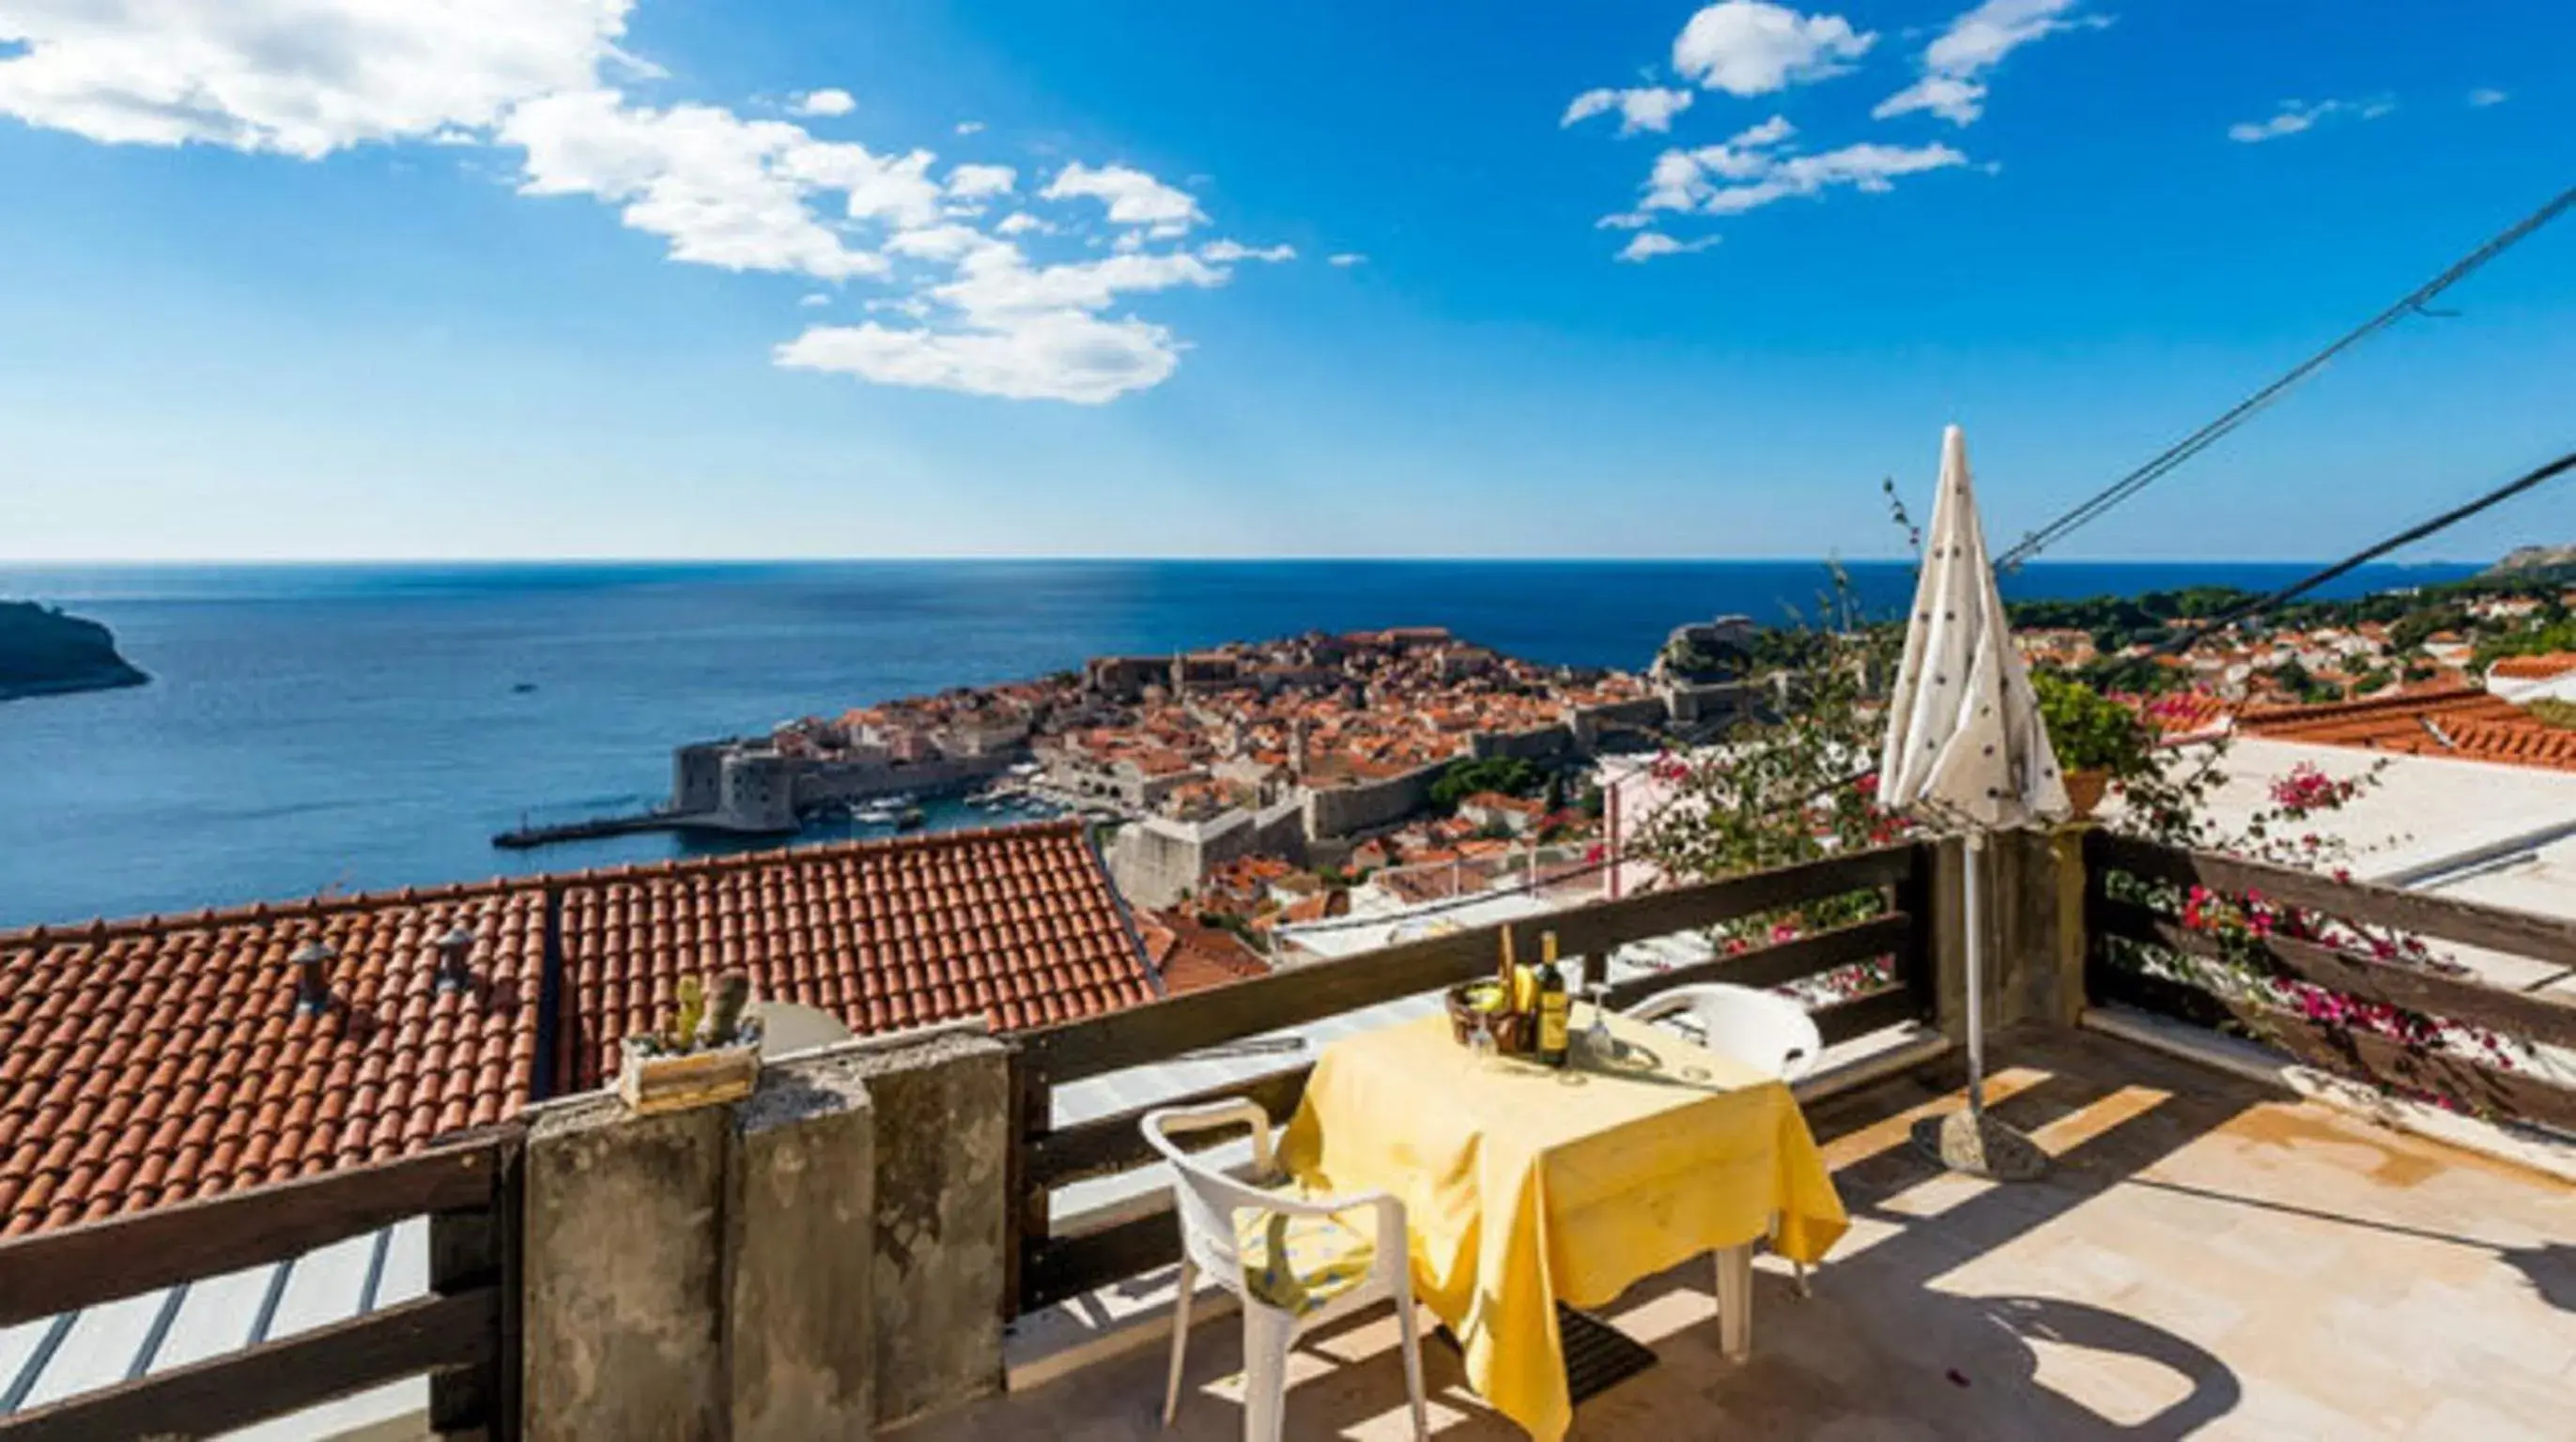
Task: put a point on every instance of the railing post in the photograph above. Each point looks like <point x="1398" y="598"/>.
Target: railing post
<point x="1025" y="1221"/>
<point x="470" y="1249"/>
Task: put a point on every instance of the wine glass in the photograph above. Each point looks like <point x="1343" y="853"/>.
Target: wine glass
<point x="1480" y="1038"/>
<point x="1598" y="1043"/>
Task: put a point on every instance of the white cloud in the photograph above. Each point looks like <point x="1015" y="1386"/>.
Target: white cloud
<point x="1650" y="107"/>
<point x="1647" y="244"/>
<point x="1624" y="220"/>
<point x="1757" y="174"/>
<point x="724" y="191"/>
<point x="1064" y="356"/>
<point x="1680" y="178"/>
<point x="1346" y="259"/>
<point x="970" y="127"/>
<point x="1133" y="197"/>
<point x="298" y="77"/>
<point x="948" y="242"/>
<point x="2486" y="95"/>
<point x="1224" y="251"/>
<point x="963" y="307"/>
<point x="969" y="182"/>
<point x="1973" y="43"/>
<point x="1958" y="101"/>
<point x="1020" y="331"/>
<point x="2294" y="117"/>
<point x="824" y="102"/>
<point x="1751" y="47"/>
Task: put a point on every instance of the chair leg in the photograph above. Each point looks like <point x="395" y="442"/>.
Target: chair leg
<point x="1412" y="1326"/>
<point x="1798" y="1270"/>
<point x="1735" y="1302"/>
<point x="1266" y="1336"/>
<point x="1180" y="1338"/>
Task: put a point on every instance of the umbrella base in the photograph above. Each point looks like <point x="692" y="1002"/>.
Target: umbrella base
<point x="1980" y="1146"/>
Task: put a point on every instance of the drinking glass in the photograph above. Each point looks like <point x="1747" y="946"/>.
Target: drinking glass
<point x="1598" y="1043"/>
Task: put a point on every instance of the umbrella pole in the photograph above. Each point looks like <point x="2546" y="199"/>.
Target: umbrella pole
<point x="1973" y="915"/>
<point x="1971" y="1141"/>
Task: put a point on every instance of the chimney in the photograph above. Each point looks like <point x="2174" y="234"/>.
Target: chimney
<point x="312" y="987"/>
<point x="453" y="974"/>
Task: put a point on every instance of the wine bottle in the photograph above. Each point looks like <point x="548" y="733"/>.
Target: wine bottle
<point x="1554" y="1008"/>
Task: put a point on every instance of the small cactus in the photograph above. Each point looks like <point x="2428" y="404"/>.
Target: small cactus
<point x="733" y="993"/>
<point x="683" y="1032"/>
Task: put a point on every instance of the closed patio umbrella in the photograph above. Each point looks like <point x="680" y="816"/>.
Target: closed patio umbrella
<point x="1966" y="752"/>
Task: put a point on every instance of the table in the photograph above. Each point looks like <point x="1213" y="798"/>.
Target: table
<point x="1525" y="1185"/>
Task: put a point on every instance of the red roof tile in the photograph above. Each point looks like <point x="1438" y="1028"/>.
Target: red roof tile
<point x="2534" y="668"/>
<point x="156" y="1059"/>
<point x="2463" y="722"/>
<point x="1018" y="925"/>
<point x="165" y="1056"/>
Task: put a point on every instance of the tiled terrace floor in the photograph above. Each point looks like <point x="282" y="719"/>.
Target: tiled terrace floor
<point x="2207" y="1260"/>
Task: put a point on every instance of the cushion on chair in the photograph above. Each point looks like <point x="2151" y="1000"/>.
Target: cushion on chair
<point x="1299" y="1263"/>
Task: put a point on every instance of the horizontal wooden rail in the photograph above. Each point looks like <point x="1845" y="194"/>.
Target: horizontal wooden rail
<point x="1293" y="995"/>
<point x="2542" y="938"/>
<point x="239" y="1388"/>
<point x="2513" y="1013"/>
<point x="103" y="1261"/>
<point x="2344" y="1051"/>
<point x="1780" y="962"/>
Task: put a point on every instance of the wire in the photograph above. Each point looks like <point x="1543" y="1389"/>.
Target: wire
<point x="2412" y="534"/>
<point x="2200" y="440"/>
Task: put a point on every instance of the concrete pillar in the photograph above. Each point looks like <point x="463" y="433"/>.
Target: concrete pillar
<point x="799" y="1223"/>
<point x="942" y="1149"/>
<point x="623" y="1264"/>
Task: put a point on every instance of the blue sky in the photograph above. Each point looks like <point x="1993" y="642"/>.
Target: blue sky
<point x="330" y="278"/>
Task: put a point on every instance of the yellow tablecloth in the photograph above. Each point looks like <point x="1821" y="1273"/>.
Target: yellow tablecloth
<point x="1524" y="1186"/>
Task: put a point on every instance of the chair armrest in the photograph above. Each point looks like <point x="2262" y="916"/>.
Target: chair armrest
<point x="1655" y="1008"/>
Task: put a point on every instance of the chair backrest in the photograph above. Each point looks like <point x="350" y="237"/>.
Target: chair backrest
<point x="1205" y="1196"/>
<point x="1759" y="1028"/>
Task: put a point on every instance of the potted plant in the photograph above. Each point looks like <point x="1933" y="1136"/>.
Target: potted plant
<point x="706" y="1052"/>
<point x="2097" y="740"/>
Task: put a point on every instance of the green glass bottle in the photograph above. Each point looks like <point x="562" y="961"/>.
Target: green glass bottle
<point x="1555" y="1009"/>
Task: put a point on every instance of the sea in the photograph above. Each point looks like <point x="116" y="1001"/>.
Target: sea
<point x="333" y="728"/>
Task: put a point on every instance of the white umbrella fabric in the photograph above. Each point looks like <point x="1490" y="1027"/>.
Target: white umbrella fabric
<point x="1966" y="750"/>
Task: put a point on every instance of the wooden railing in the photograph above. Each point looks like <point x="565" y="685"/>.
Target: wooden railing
<point x="2126" y="931"/>
<point x="464" y="1335"/>
<point x="1048" y="1267"/>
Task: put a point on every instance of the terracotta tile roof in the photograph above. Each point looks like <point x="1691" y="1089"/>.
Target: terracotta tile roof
<point x="1019" y="925"/>
<point x="1192" y="957"/>
<point x="2534" y="668"/>
<point x="2463" y="722"/>
<point x="158" y="1059"/>
<point x="151" y="1061"/>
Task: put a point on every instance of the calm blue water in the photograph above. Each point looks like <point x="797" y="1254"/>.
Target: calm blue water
<point x="356" y="726"/>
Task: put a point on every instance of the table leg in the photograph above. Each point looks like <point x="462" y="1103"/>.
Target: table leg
<point x="1735" y="1302"/>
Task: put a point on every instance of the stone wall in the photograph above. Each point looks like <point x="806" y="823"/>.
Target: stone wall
<point x="1342" y="810"/>
<point x="1155" y="860"/>
<point x="1538" y="743"/>
<point x="823" y="1259"/>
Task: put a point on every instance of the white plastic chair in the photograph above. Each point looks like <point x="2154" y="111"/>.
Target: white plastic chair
<point x="1233" y="1231"/>
<point x="1759" y="1028"/>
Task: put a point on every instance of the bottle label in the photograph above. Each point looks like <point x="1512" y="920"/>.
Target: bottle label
<point x="1552" y="1023"/>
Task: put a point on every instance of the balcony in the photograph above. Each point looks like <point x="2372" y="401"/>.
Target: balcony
<point x="2209" y="1258"/>
<point x="947" y="1235"/>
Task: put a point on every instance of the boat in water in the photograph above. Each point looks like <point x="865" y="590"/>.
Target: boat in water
<point x="911" y="818"/>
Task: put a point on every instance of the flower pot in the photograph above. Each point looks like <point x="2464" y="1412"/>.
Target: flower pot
<point x="651" y="1083"/>
<point x="2084" y="790"/>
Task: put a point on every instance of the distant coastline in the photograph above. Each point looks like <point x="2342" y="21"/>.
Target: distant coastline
<point x="359" y="727"/>
<point x="45" y="652"/>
